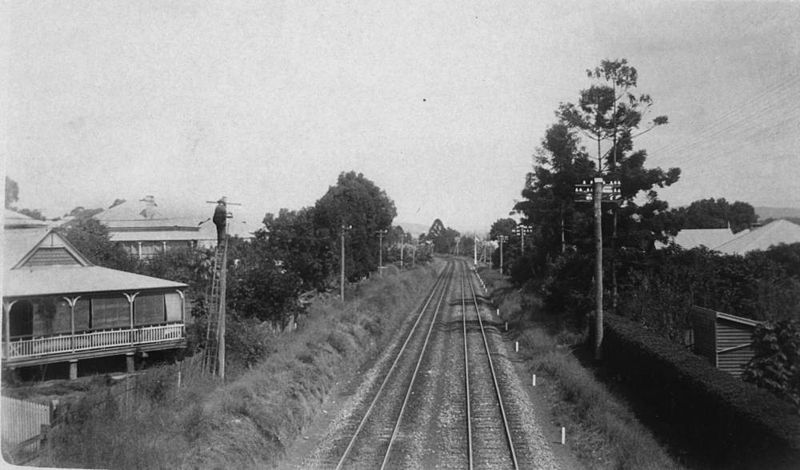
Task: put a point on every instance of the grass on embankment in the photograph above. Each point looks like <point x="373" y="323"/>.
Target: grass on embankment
<point x="602" y="431"/>
<point x="248" y="422"/>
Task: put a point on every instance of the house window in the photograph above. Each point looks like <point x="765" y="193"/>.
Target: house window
<point x="174" y="305"/>
<point x="83" y="309"/>
<point x="148" y="309"/>
<point x="20" y="318"/>
<point x="51" y="316"/>
<point x="110" y="312"/>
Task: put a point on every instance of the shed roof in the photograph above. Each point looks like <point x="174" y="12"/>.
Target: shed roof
<point x="774" y="233"/>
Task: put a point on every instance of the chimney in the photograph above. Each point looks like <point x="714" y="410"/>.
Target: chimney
<point x="150" y="205"/>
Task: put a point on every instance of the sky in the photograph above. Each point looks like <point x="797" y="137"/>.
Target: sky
<point x="441" y="103"/>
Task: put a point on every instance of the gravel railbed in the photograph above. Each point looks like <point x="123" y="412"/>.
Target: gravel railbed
<point x="433" y="429"/>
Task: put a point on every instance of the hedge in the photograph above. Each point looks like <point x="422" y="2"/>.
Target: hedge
<point x="734" y="424"/>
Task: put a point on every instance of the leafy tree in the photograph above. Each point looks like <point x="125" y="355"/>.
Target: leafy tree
<point x="12" y="192"/>
<point x="716" y="213"/>
<point x="298" y="244"/>
<point x="442" y="237"/>
<point x="90" y="237"/>
<point x="363" y="208"/>
<point x="80" y="212"/>
<point x="12" y="196"/>
<point x="259" y="285"/>
<point x="502" y="227"/>
<point x="32" y="213"/>
<point x="548" y="203"/>
<point x="190" y="266"/>
<point x="776" y="364"/>
<point x="609" y="111"/>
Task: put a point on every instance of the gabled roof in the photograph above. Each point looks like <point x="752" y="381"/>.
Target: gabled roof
<point x="708" y="237"/>
<point x="53" y="242"/>
<point x="20" y="244"/>
<point x="774" y="233"/>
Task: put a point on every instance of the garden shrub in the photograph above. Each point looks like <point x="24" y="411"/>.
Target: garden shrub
<point x="734" y="423"/>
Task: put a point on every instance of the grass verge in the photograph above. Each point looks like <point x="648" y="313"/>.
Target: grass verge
<point x="248" y="422"/>
<point x="603" y="432"/>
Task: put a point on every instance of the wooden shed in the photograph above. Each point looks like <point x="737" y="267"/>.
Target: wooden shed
<point x="725" y="340"/>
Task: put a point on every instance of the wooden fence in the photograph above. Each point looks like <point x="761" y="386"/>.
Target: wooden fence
<point x="23" y="420"/>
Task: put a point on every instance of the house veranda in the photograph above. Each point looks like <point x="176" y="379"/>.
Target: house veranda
<point x="58" y="307"/>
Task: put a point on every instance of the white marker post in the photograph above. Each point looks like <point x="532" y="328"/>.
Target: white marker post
<point x="516" y="346"/>
<point x="563" y="435"/>
<point x="533" y="380"/>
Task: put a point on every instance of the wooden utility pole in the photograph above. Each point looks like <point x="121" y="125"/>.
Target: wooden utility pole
<point x="222" y="300"/>
<point x="223" y="283"/>
<point x="598" y="240"/>
<point x="598" y="192"/>
<point x="380" y="233"/>
<point x="502" y="239"/>
<point x="341" y="281"/>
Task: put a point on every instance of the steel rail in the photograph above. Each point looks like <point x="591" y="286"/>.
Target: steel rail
<point x="438" y="284"/>
<point x="494" y="379"/>
<point x="414" y="374"/>
<point x="466" y="371"/>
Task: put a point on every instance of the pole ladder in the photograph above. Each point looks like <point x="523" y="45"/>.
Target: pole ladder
<point x="216" y="309"/>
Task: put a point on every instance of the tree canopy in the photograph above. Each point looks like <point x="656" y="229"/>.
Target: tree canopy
<point x="442" y="237"/>
<point x="363" y="209"/>
<point x="608" y="114"/>
<point x="716" y="213"/>
<point x="12" y="192"/>
<point x="90" y="237"/>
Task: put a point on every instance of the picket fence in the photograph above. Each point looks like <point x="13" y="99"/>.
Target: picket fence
<point x="22" y="420"/>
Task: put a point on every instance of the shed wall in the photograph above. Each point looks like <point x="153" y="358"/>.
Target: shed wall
<point x="731" y="335"/>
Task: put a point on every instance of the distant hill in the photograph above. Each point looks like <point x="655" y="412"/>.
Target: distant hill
<point x="765" y="213"/>
<point x="414" y="229"/>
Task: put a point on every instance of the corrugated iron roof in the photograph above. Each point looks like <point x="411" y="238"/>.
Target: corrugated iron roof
<point x="708" y="237"/>
<point x="51" y="280"/>
<point x="62" y="280"/>
<point x="19" y="242"/>
<point x="774" y="233"/>
<point x="15" y="220"/>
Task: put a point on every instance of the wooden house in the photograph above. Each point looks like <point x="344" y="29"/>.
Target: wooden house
<point x="725" y="340"/>
<point x="58" y="307"/>
<point x="145" y="230"/>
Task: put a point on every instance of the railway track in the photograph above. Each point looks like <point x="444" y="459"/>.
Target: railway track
<point x="371" y="442"/>
<point x="448" y="396"/>
<point x="490" y="440"/>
